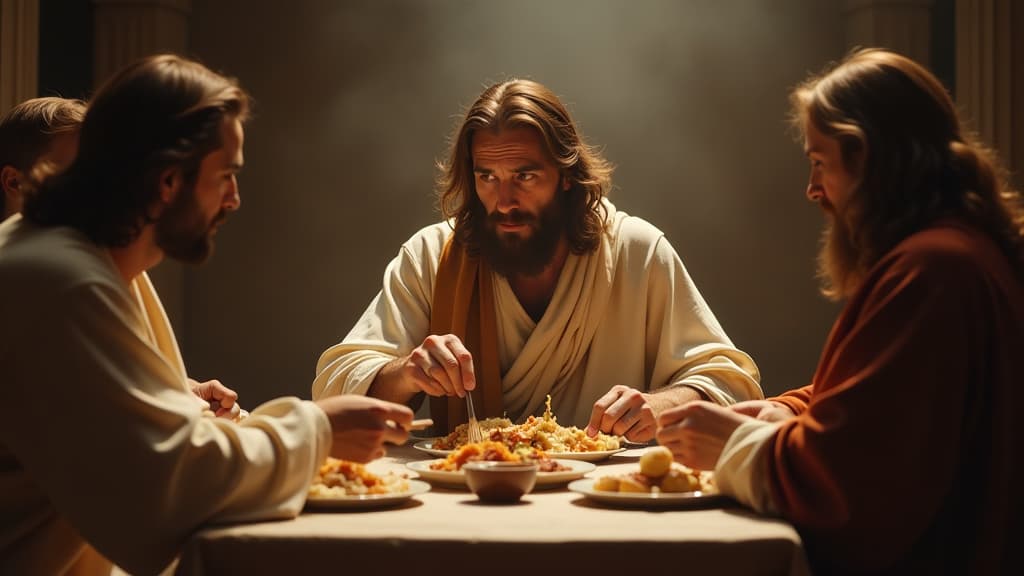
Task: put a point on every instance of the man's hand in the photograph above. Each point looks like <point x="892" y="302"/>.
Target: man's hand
<point x="763" y="410"/>
<point x="623" y="411"/>
<point x="218" y="398"/>
<point x="361" y="425"/>
<point x="440" y="366"/>
<point x="697" y="432"/>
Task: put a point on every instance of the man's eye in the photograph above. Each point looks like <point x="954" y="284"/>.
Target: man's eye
<point x="485" y="177"/>
<point x="526" y="176"/>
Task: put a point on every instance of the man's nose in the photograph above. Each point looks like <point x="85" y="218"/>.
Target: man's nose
<point x="814" y="191"/>
<point x="507" y="198"/>
<point x="233" y="200"/>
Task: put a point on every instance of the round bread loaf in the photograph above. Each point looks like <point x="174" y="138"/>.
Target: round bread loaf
<point x="656" y="462"/>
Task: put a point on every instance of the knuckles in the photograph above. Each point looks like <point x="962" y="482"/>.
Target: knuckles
<point x="433" y="340"/>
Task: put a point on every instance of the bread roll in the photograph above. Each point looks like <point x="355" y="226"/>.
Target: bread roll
<point x="656" y="462"/>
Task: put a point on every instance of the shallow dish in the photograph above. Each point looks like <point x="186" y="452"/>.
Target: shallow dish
<point x="696" y="499"/>
<point x="367" y="500"/>
<point x="544" y="479"/>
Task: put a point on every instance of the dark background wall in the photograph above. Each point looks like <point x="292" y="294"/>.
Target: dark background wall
<point x="65" y="48"/>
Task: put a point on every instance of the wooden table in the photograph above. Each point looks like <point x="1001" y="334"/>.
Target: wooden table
<point x="554" y="531"/>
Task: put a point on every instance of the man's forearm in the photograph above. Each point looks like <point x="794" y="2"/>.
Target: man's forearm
<point x="389" y="384"/>
<point x="661" y="400"/>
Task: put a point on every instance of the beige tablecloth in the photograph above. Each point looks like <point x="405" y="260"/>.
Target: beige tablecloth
<point x="552" y="531"/>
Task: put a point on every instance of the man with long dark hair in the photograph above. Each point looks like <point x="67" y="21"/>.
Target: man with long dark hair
<point x="903" y="455"/>
<point x="537" y="286"/>
<point x="105" y="454"/>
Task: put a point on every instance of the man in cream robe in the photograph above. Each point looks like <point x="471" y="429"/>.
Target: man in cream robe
<point x="537" y="286"/>
<point x="70" y="319"/>
<point x="626" y="314"/>
<point x="105" y="452"/>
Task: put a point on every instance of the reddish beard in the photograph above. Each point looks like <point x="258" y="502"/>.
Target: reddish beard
<point x="838" y="258"/>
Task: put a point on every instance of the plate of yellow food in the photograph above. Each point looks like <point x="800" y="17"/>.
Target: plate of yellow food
<point x="658" y="482"/>
<point x="550" y="472"/>
<point x="543" y="433"/>
<point x="344" y="484"/>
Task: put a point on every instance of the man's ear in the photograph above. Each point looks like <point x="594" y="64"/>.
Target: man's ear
<point x="10" y="180"/>
<point x="566" y="182"/>
<point x="170" y="183"/>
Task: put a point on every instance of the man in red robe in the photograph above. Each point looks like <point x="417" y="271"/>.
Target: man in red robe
<point x="903" y="455"/>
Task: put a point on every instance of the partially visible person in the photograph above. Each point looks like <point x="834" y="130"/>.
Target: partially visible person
<point x="537" y="285"/>
<point x="105" y="455"/>
<point x="37" y="131"/>
<point x="904" y="454"/>
<point x="39" y="138"/>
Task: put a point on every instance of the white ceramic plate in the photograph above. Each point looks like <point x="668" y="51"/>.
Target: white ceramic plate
<point x="367" y="500"/>
<point x="576" y="470"/>
<point x="428" y="447"/>
<point x="585" y="486"/>
<point x="596" y="456"/>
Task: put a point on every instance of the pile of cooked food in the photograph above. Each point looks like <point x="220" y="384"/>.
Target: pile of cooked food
<point x="344" y="478"/>
<point x="658" y="473"/>
<point x="496" y="452"/>
<point x="542" y="433"/>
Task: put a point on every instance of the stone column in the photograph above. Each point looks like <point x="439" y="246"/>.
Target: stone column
<point x="903" y="26"/>
<point x="19" y="51"/>
<point x="125" y="30"/>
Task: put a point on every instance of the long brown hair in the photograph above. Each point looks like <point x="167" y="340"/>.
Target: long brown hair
<point x="160" y="112"/>
<point x="918" y="163"/>
<point x="517" y="103"/>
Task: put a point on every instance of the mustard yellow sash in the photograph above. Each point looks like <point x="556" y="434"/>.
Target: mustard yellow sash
<point x="463" y="305"/>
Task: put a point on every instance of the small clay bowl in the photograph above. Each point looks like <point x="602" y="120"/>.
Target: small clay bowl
<point x="500" y="482"/>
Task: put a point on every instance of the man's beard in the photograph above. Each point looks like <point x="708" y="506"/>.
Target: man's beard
<point x="838" y="262"/>
<point x="182" y="232"/>
<point x="512" y="255"/>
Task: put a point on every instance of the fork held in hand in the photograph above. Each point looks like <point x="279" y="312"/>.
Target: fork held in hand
<point x="473" y="433"/>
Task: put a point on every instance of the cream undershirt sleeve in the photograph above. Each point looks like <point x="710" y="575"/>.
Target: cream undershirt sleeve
<point x="742" y="469"/>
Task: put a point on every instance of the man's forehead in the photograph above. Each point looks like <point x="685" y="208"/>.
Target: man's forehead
<point x="521" y="142"/>
<point x="233" y="141"/>
<point x="229" y="154"/>
<point x="814" y="141"/>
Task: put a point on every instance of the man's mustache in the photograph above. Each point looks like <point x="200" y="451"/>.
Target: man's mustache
<point x="511" y="217"/>
<point x="219" y="218"/>
<point x="826" y="205"/>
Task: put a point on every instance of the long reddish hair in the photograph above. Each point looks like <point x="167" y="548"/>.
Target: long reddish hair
<point x="917" y="163"/>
